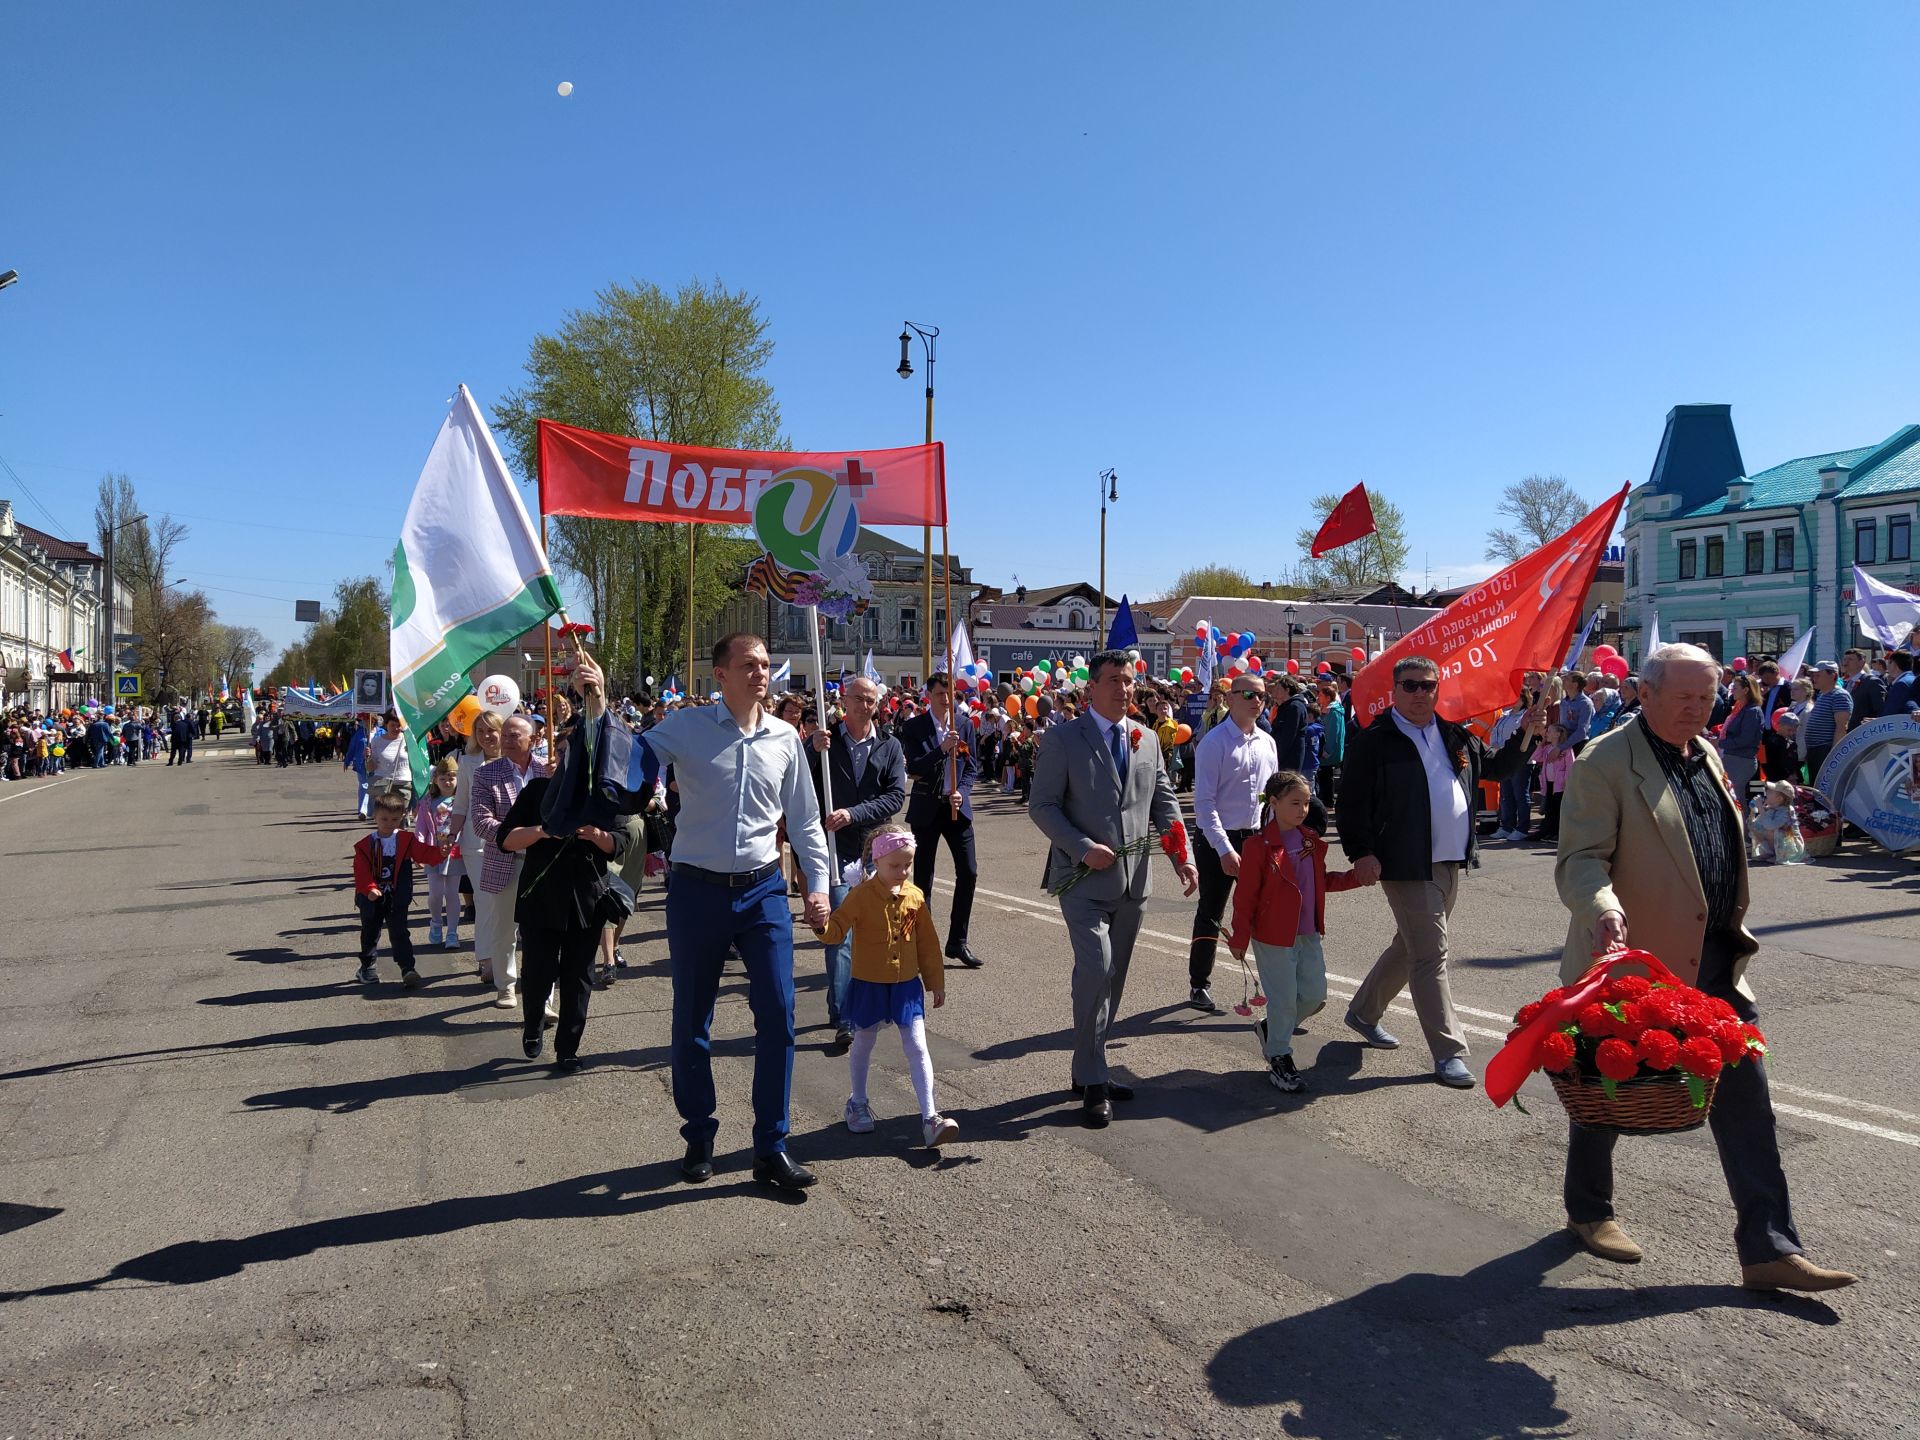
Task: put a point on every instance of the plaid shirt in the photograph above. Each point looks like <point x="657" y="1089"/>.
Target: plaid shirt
<point x="496" y="785"/>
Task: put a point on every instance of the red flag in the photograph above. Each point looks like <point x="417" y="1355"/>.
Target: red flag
<point x="1519" y="620"/>
<point x="617" y="477"/>
<point x="1351" y="520"/>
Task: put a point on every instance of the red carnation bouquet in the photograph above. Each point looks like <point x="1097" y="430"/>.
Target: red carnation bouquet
<point x="1626" y="1051"/>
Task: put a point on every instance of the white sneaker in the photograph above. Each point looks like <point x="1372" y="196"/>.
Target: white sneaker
<point x="506" y="1000"/>
<point x="859" y="1117"/>
<point x="937" y="1131"/>
<point x="553" y="1007"/>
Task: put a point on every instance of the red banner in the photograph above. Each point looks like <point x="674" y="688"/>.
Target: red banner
<point x="1350" y="520"/>
<point x="1521" y="619"/>
<point x="616" y="477"/>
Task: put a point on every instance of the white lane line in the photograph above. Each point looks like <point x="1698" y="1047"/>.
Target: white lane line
<point x="1020" y="905"/>
<point x="15" y="795"/>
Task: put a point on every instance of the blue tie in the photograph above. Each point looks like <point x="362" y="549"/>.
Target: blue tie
<point x="1120" y="753"/>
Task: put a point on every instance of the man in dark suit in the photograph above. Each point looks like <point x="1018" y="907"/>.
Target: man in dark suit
<point x="942" y="757"/>
<point x="869" y="774"/>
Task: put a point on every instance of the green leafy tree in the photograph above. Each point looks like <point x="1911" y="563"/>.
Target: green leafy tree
<point x="1225" y="580"/>
<point x="1375" y="559"/>
<point x="1542" y="506"/>
<point x="350" y="635"/>
<point x="682" y="368"/>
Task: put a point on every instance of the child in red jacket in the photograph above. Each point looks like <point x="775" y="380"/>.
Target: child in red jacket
<point x="1279" y="906"/>
<point x="383" y="885"/>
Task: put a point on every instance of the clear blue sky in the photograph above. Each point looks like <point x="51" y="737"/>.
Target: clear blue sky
<point x="1244" y="253"/>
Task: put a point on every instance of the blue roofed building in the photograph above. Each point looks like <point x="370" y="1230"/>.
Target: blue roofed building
<point x="1741" y="563"/>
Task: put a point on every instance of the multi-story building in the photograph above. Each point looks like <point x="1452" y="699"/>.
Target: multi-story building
<point x="1019" y="629"/>
<point x="1741" y="563"/>
<point x="49" y="603"/>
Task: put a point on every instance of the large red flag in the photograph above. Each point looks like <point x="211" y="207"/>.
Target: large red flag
<point x="1519" y="620"/>
<point x="1351" y="520"/>
<point x="617" y="477"/>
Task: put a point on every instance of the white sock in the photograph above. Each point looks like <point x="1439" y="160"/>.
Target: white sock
<point x="859" y="1056"/>
<point x="913" y="1040"/>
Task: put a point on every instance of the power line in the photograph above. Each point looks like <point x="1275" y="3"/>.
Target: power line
<point x="260" y="525"/>
<point x="58" y="529"/>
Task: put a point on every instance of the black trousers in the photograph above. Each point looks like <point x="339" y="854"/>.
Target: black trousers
<point x="1743" y="1131"/>
<point x="566" y="956"/>
<point x="383" y="914"/>
<point x="1328" y="781"/>
<point x="1216" y="887"/>
<point x="958" y="835"/>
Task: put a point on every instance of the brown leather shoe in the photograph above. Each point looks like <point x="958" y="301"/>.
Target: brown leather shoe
<point x="1793" y="1272"/>
<point x="1606" y="1239"/>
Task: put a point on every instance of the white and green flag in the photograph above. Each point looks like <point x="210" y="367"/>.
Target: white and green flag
<point x="469" y="575"/>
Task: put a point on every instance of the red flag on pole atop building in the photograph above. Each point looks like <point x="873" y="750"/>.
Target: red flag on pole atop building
<point x="1351" y="520"/>
<point x="1520" y="620"/>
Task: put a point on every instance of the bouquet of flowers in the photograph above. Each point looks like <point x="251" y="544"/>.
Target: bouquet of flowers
<point x="1631" y="1052"/>
<point x="1174" y="842"/>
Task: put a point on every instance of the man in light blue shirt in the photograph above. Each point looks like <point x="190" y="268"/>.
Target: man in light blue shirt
<point x="1576" y="710"/>
<point x="739" y="772"/>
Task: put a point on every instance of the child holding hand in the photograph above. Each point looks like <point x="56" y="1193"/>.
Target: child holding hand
<point x="1279" y="907"/>
<point x="896" y="964"/>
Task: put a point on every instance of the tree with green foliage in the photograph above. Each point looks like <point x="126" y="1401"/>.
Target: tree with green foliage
<point x="683" y="369"/>
<point x="1224" y="580"/>
<point x="1375" y="559"/>
<point x="350" y="635"/>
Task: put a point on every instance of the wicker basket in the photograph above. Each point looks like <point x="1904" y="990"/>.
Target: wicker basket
<point x="1644" y="1105"/>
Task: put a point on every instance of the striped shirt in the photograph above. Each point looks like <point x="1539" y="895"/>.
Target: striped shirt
<point x="1712" y="831"/>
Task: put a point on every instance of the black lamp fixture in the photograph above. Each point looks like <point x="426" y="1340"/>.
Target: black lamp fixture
<point x="905" y="372"/>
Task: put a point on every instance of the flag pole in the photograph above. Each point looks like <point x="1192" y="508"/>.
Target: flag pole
<point x="820" y="691"/>
<point x="690" y="528"/>
<point x="946" y="607"/>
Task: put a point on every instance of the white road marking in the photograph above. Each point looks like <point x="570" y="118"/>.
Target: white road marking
<point x="16" y="794"/>
<point x="1022" y="906"/>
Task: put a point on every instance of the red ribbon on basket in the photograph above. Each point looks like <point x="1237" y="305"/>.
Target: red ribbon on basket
<point x="1520" y="1056"/>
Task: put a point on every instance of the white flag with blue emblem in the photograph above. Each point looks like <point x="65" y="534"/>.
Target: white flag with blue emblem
<point x="782" y="675"/>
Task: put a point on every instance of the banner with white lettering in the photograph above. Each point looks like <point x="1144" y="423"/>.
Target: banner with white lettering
<point x="617" y="477"/>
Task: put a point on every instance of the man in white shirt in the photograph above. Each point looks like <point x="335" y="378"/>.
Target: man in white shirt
<point x="1231" y="766"/>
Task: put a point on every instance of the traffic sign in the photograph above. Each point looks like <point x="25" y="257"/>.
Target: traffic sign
<point x="126" y="687"/>
<point x="120" y="638"/>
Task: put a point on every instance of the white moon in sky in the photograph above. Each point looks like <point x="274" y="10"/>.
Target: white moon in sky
<point x="566" y="87"/>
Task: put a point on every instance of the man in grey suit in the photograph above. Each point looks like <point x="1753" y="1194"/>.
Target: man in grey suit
<point x="1098" y="787"/>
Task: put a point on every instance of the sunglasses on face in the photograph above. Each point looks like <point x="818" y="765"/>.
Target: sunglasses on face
<point x="1251" y="694"/>
<point x="1420" y="687"/>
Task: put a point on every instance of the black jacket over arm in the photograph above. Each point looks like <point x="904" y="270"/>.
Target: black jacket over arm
<point x="878" y="797"/>
<point x="1384" y="811"/>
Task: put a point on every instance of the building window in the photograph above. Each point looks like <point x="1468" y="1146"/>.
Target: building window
<point x="793" y="624"/>
<point x="940" y="627"/>
<point x="1769" y="641"/>
<point x="1689" y="559"/>
<point x="1074" y="622"/>
<point x="1716" y="556"/>
<point x="870" y="625"/>
<point x="1633" y="568"/>
<point x="1756" y="552"/>
<point x="1337" y="633"/>
<point x="1863" y="534"/>
<point x="1710" y="641"/>
<point x="909" y="625"/>
<point x="1900" y="538"/>
<point x="1783" y="549"/>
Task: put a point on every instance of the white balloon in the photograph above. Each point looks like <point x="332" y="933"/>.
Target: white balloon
<point x="566" y="88"/>
<point x="499" y="694"/>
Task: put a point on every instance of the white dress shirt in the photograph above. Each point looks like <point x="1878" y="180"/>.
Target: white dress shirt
<point x="1446" y="797"/>
<point x="1230" y="770"/>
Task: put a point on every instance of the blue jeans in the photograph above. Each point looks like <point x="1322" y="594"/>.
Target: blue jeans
<point x="1294" y="978"/>
<point x="1516" y="801"/>
<point x="839" y="961"/>
<point x="705" y="922"/>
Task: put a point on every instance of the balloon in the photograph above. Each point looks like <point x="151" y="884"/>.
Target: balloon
<point x="1253" y="664"/>
<point x="1616" y="666"/>
<point x="462" y="716"/>
<point x="1359" y="655"/>
<point x="1060" y="675"/>
<point x="1739" y="662"/>
<point x="1133" y="654"/>
<point x="1783" y="710"/>
<point x="1026" y="684"/>
<point x="1140" y="667"/>
<point x="1323" y="668"/>
<point x="1186" y="673"/>
<point x="1033" y="707"/>
<point x="1603" y="652"/>
<point x="499" y="694"/>
<point x="1013" y="706"/>
<point x="1077" y="674"/>
<point x="566" y="88"/>
<point x="1293" y="667"/>
<point x="1182" y="734"/>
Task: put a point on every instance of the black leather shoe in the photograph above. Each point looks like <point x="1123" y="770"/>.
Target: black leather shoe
<point x="696" y="1168"/>
<point x="782" y="1171"/>
<point x="1095" y="1111"/>
<point x="1115" y="1091"/>
<point x="964" y="954"/>
<point x="842" y="1041"/>
<point x="566" y="1064"/>
<point x="531" y="1043"/>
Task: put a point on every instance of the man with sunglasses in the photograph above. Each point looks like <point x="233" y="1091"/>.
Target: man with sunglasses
<point x="1231" y="766"/>
<point x="1406" y="818"/>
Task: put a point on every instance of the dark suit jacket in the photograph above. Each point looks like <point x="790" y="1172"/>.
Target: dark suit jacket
<point x="878" y="796"/>
<point x="921" y="746"/>
<point x="1384" y="810"/>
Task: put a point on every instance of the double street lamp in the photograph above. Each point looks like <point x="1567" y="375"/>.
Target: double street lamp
<point x="928" y="334"/>
<point x="1109" y="491"/>
<point x="112" y="596"/>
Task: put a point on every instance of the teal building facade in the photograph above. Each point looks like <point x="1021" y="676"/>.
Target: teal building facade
<point x="1741" y="563"/>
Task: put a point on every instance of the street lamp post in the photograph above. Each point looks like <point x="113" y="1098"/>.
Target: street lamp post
<point x="105" y="657"/>
<point x="928" y="334"/>
<point x="1288" y="612"/>
<point x="1109" y="491"/>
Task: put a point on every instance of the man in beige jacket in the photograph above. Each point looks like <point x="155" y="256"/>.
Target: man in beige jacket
<point x="1652" y="848"/>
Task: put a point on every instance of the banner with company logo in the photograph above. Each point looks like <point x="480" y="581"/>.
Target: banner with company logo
<point x="1873" y="778"/>
<point x="617" y="477"/>
<point x="1519" y="620"/>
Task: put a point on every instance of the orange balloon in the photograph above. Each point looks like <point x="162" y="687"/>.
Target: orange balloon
<point x="1033" y="707"/>
<point x="1013" y="706"/>
<point x="464" y="714"/>
<point x="1182" y="734"/>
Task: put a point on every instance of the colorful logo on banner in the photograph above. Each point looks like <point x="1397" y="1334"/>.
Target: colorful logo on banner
<point x="808" y="521"/>
<point x="1873" y="778"/>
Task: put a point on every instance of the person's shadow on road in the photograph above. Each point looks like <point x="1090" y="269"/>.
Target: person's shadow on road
<point x="1420" y="1355"/>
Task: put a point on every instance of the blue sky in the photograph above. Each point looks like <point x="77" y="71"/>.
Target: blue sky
<point x="1243" y="253"/>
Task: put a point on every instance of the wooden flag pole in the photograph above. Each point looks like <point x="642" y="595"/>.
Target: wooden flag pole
<point x="690" y="530"/>
<point x="953" y="691"/>
<point x="820" y="682"/>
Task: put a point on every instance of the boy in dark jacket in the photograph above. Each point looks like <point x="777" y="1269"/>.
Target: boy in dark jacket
<point x="383" y="885"/>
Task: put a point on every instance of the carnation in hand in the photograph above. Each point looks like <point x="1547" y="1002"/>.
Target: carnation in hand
<point x="1732" y="1041"/>
<point x="1615" y="1060"/>
<point x="1700" y="1056"/>
<point x="1556" y="1052"/>
<point x="1594" y="1020"/>
<point x="1658" y="1049"/>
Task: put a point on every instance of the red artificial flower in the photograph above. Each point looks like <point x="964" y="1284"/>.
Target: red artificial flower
<point x="1527" y="1012"/>
<point x="1556" y="1051"/>
<point x="1627" y="987"/>
<point x="1554" y="996"/>
<point x="1594" y="1020"/>
<point x="1615" y="1060"/>
<point x="1719" y="1009"/>
<point x="1662" y="1007"/>
<point x="1755" y="1040"/>
<point x="1133" y="739"/>
<point x="1700" y="1056"/>
<point x="1658" y="1049"/>
<point x="1732" y="1041"/>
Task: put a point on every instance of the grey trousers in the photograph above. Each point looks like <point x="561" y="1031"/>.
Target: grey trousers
<point x="1417" y="960"/>
<point x="1102" y="932"/>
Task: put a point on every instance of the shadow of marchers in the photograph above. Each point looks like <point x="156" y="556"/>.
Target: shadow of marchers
<point x="604" y="1195"/>
<point x="1139" y="1023"/>
<point x="1416" y="1356"/>
<point x="285" y="994"/>
<point x="274" y="955"/>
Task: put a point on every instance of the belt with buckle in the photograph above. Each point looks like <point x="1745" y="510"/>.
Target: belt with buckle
<point x="732" y="879"/>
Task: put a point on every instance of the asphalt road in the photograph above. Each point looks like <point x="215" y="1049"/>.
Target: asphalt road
<point x="241" y="1196"/>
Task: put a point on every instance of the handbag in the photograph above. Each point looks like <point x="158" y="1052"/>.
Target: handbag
<point x="613" y="899"/>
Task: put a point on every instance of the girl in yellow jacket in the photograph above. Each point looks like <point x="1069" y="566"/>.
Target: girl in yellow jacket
<point x="896" y="965"/>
